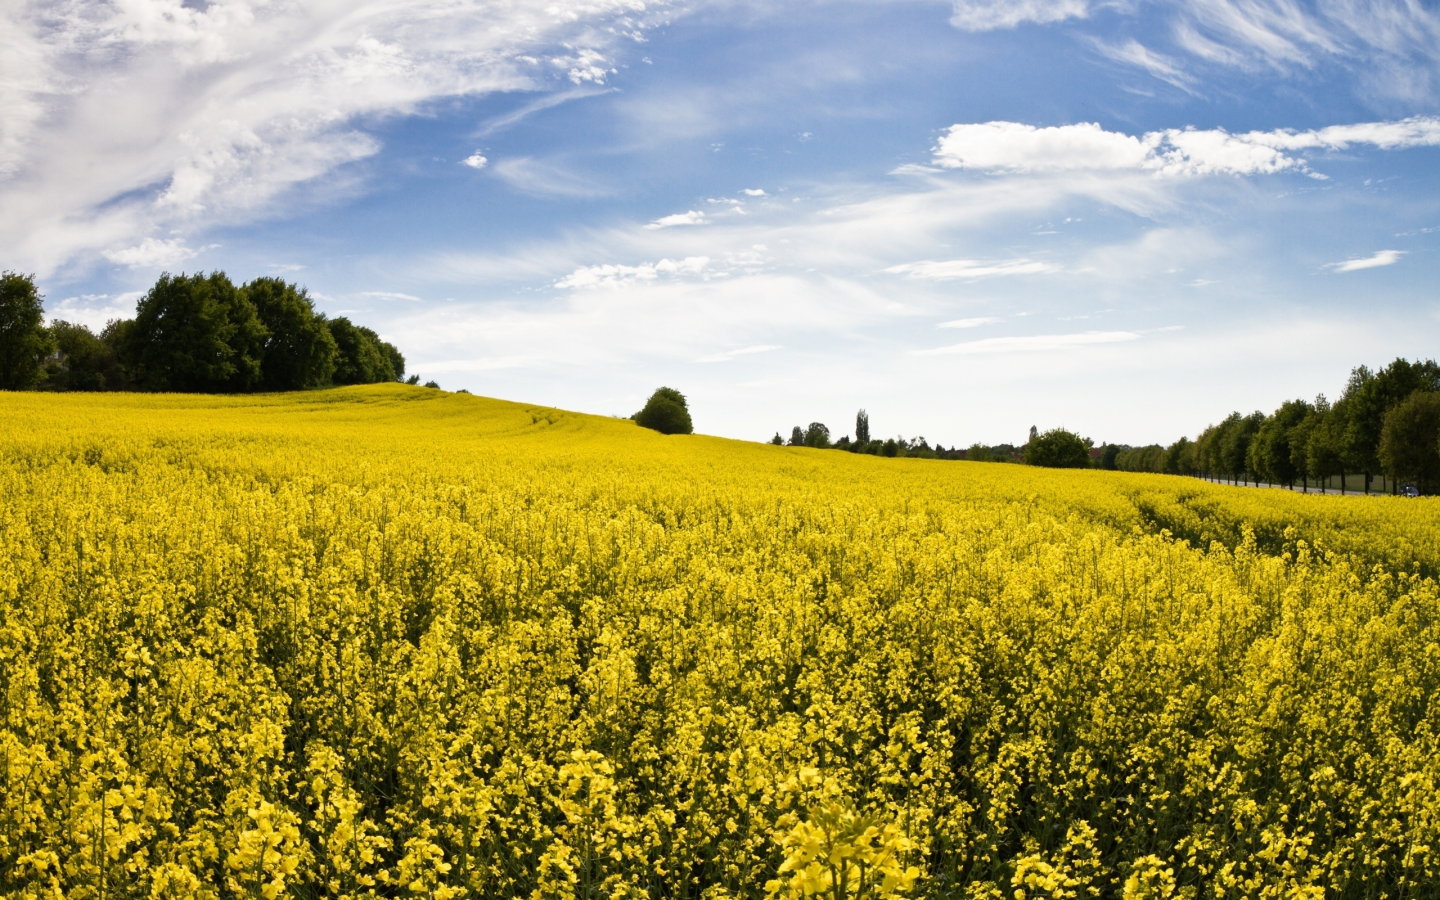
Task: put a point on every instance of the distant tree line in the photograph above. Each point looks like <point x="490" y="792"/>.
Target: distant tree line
<point x="1386" y="422"/>
<point x="191" y="333"/>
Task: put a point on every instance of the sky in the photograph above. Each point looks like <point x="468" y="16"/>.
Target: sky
<point x="969" y="217"/>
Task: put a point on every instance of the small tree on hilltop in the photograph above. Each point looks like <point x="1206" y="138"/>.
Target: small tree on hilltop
<point x="1057" y="449"/>
<point x="817" y="435"/>
<point x="666" y="412"/>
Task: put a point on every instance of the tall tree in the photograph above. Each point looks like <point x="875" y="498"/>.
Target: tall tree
<point x="299" y="351"/>
<point x="195" y="333"/>
<point x="817" y="435"/>
<point x="862" y="427"/>
<point x="1269" y="455"/>
<point x="1369" y="396"/>
<point x="358" y="358"/>
<point x="24" y="342"/>
<point x="82" y="361"/>
<point x="1325" y="447"/>
<point x="1410" y="441"/>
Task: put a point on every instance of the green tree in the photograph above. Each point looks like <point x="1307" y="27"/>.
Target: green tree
<point x="82" y="361"/>
<point x="394" y="364"/>
<point x="1112" y="453"/>
<point x="777" y="440"/>
<point x="797" y="437"/>
<point x="817" y="435"/>
<point x="1179" y="457"/>
<point x="1369" y="397"/>
<point x="862" y="427"/>
<point x="358" y="356"/>
<point x="1235" y="449"/>
<point x="1410" y="441"/>
<point x="666" y="412"/>
<point x="1324" y="449"/>
<point x="194" y="333"/>
<point x="299" y="350"/>
<point x="1057" y="449"/>
<point x="979" y="453"/>
<point x="24" y="343"/>
<point x="1270" y="454"/>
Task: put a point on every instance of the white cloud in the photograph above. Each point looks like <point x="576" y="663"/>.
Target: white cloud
<point x="971" y="268"/>
<point x="545" y="178"/>
<point x="1015" y="147"/>
<point x="969" y="323"/>
<point x="988" y="15"/>
<point x="1381" y="258"/>
<point x="744" y="351"/>
<point x="612" y="276"/>
<point x="475" y="160"/>
<point x="94" y="310"/>
<point x="754" y="192"/>
<point x="1033" y="343"/>
<point x="1134" y="53"/>
<point x="693" y="217"/>
<point x="153" y="253"/>
<point x="390" y="295"/>
<point x="124" y="119"/>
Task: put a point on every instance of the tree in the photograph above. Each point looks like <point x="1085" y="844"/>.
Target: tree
<point x="777" y="440"/>
<point x="666" y="412"/>
<point x="1410" y="441"/>
<point x="195" y="333"/>
<point x="1235" y="449"/>
<point x="797" y="437"/>
<point x="1057" y="449"/>
<point x="817" y="435"/>
<point x="299" y="350"/>
<point x="394" y="364"/>
<point x="358" y="357"/>
<point x="978" y="453"/>
<point x="82" y="361"/>
<point x="1269" y="454"/>
<point x="1323" y="456"/>
<point x="1107" y="459"/>
<point x="23" y="340"/>
<point x="1179" y="457"/>
<point x="1369" y="397"/>
<point x="862" y="427"/>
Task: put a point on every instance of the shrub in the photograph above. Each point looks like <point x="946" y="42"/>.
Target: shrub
<point x="666" y="412"/>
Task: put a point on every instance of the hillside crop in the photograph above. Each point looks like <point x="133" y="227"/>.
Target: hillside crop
<point x="385" y="641"/>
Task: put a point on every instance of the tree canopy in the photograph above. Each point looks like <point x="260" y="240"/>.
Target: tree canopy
<point x="1057" y="449"/>
<point x="666" y="412"/>
<point x="23" y="339"/>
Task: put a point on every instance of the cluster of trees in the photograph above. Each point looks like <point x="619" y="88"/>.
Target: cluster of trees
<point x="818" y="435"/>
<point x="1386" y="422"/>
<point x="192" y="333"/>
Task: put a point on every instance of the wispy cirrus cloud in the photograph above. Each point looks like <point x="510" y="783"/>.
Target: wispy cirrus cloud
<point x="728" y="355"/>
<point x="970" y="323"/>
<point x="1381" y="258"/>
<point x="1032" y="343"/>
<point x="121" y="119"/>
<point x="970" y="269"/>
<point x="616" y="276"/>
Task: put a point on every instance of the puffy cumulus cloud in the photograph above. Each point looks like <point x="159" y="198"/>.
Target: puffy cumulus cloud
<point x="1382" y="258"/>
<point x="971" y="269"/>
<point x="123" y="118"/>
<point x="475" y="160"/>
<point x="93" y="310"/>
<point x="988" y="15"/>
<point x="613" y="276"/>
<point x="1016" y="147"/>
<point x="693" y="217"/>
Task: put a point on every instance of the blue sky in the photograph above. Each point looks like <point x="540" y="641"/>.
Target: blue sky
<point x="968" y="218"/>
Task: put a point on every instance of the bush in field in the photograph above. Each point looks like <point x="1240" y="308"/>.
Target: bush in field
<point x="1057" y="449"/>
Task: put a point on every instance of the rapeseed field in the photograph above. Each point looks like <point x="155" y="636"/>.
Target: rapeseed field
<point x="387" y="641"/>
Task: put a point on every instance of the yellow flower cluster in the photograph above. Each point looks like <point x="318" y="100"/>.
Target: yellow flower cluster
<point x="391" y="642"/>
